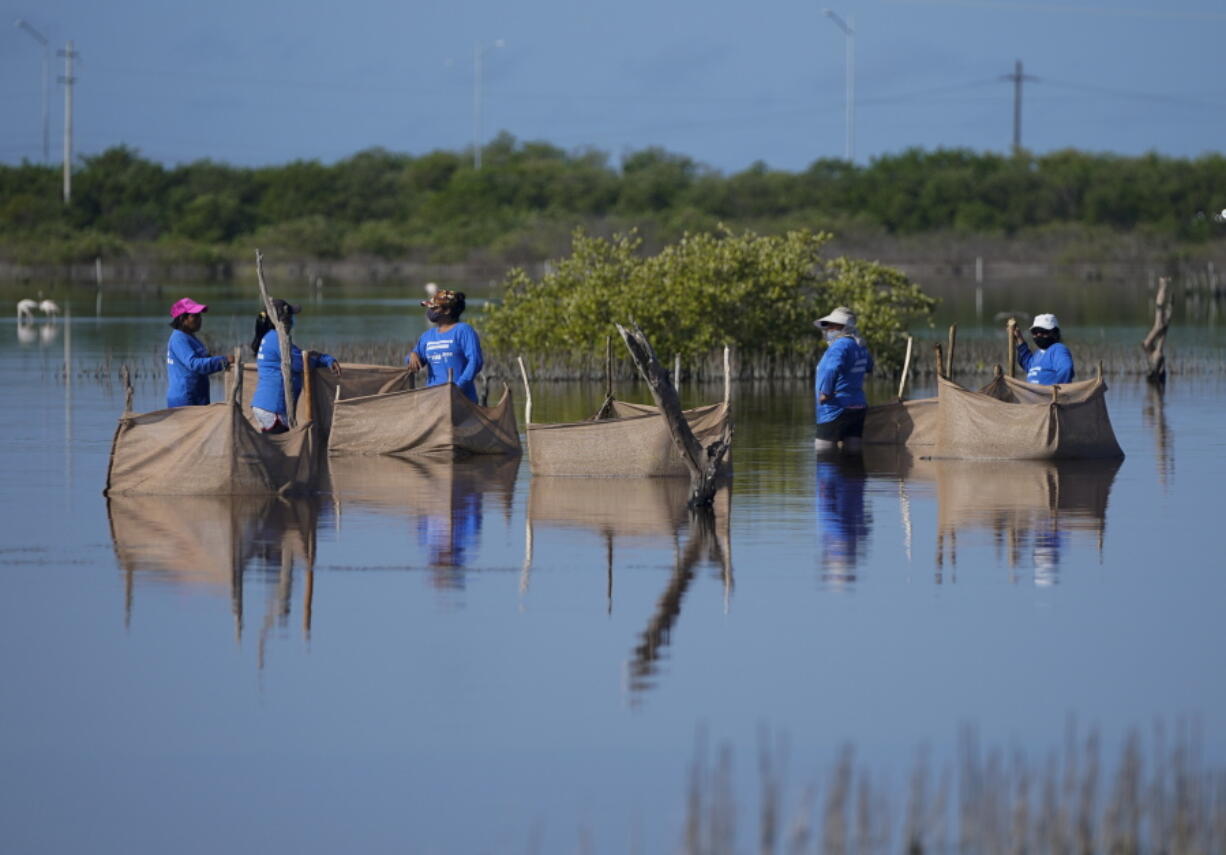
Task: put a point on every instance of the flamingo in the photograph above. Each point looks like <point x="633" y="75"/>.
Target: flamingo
<point x="25" y="310"/>
<point x="49" y="308"/>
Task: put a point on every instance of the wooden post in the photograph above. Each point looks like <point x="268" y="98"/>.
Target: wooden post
<point x="237" y="368"/>
<point x="906" y="369"/>
<point x="727" y="375"/>
<point x="608" y="366"/>
<point x="606" y="407"/>
<point x="704" y="464"/>
<point x="283" y="342"/>
<point x="306" y="402"/>
<point x="940" y="360"/>
<point x="1154" y="343"/>
<point x="949" y="357"/>
<point x="1011" y="347"/>
<point x="523" y="372"/>
<point x="127" y="389"/>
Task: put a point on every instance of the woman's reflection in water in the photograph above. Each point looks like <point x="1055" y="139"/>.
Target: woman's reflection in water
<point x="843" y="518"/>
<point x="449" y="537"/>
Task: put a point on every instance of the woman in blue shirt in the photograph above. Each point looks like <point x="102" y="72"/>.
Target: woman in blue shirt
<point x="268" y="403"/>
<point x="1051" y="363"/>
<point x="188" y="363"/>
<point x="841" y="404"/>
<point x="449" y="346"/>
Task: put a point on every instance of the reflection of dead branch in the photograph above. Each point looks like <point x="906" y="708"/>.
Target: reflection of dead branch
<point x="702" y="539"/>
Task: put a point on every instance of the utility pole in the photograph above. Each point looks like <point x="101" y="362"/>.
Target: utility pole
<point x="42" y="40"/>
<point x="1017" y="77"/>
<point x="849" y="33"/>
<point x="68" y="53"/>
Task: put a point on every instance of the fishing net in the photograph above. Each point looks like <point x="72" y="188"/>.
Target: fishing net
<point x="207" y="450"/>
<point x="1006" y="419"/>
<point x="437" y="420"/>
<point x="635" y="443"/>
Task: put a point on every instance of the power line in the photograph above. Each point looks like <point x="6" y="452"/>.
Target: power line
<point x="1101" y="11"/>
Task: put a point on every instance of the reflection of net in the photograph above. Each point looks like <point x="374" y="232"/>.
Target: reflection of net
<point x="1007" y="419"/>
<point x="623" y="507"/>
<point x="636" y="442"/>
<point x="207" y="540"/>
<point x="1028" y="507"/>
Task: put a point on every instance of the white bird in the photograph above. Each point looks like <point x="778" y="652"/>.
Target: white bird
<point x="25" y="310"/>
<point x="49" y="308"/>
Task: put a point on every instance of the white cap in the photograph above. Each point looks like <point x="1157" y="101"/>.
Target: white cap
<point x="842" y="316"/>
<point x="1045" y="322"/>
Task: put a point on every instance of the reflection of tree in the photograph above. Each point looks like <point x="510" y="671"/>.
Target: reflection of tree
<point x="1154" y="415"/>
<point x="707" y="538"/>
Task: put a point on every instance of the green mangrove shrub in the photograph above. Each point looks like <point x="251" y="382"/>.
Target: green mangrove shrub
<point x="759" y="294"/>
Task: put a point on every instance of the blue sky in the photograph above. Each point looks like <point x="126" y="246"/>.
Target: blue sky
<point x="267" y="81"/>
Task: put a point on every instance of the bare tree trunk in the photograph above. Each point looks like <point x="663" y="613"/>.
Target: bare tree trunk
<point x="1154" y="343"/>
<point x="703" y="464"/>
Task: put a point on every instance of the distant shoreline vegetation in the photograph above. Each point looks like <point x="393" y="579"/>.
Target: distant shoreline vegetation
<point x="379" y="209"/>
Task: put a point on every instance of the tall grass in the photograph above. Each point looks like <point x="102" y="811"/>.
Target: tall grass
<point x="1157" y="797"/>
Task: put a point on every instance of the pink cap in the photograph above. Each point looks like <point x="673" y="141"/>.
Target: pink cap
<point x="187" y="306"/>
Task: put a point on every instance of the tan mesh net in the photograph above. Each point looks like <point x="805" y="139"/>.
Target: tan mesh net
<point x="207" y="450"/>
<point x="1006" y="419"/>
<point x="1010" y="419"/>
<point x="422" y="485"/>
<point x="910" y="423"/>
<point x="437" y="420"/>
<point x="636" y="443"/>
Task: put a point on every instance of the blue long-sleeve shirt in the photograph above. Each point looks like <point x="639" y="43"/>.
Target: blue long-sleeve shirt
<point x="1046" y="367"/>
<point x="269" y="390"/>
<point x="840" y="376"/>
<point x="458" y="349"/>
<point x="188" y="366"/>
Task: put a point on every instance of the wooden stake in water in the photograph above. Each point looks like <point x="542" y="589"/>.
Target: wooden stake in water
<point x="283" y="341"/>
<point x="1011" y="346"/>
<point x="906" y="370"/>
<point x="940" y="359"/>
<point x="523" y="372"/>
<point x="949" y="357"/>
<point x="727" y="375"/>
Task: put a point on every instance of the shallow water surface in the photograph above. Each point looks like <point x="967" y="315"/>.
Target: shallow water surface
<point x="461" y="657"/>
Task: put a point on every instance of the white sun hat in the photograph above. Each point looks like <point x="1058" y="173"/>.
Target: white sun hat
<point x="842" y="316"/>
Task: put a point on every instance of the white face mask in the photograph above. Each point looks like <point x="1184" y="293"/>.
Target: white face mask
<point x="830" y="335"/>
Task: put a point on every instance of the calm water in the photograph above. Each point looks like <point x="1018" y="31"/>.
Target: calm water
<point x="465" y="658"/>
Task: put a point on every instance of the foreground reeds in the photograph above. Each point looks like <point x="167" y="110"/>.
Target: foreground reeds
<point x="1157" y="797"/>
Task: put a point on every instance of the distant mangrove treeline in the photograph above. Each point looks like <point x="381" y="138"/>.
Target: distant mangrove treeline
<point x="527" y="198"/>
